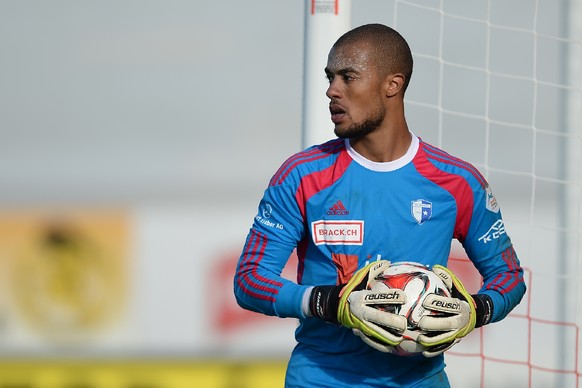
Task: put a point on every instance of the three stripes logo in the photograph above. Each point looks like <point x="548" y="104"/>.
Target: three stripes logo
<point x="338" y="209"/>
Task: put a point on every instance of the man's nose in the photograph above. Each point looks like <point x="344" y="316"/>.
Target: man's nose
<point x="333" y="90"/>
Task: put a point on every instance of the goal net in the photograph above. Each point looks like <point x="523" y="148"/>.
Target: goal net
<point x="499" y="84"/>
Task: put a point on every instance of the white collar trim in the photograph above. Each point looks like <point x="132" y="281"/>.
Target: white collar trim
<point x="385" y="166"/>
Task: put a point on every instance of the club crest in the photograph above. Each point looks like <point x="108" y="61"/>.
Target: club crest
<point x="421" y="210"/>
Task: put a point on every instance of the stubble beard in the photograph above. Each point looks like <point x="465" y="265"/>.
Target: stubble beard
<point x="359" y="130"/>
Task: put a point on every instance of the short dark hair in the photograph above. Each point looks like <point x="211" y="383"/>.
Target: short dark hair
<point x="390" y="49"/>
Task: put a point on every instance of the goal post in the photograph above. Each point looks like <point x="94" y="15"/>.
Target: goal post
<point x="325" y="22"/>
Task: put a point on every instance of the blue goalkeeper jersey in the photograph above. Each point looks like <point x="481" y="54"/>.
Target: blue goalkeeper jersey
<point x="341" y="211"/>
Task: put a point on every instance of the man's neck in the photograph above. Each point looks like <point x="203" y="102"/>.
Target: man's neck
<point x="382" y="145"/>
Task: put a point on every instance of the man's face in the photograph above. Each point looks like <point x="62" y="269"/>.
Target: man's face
<point x="354" y="91"/>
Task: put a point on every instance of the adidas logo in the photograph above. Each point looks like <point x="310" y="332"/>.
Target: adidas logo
<point x="338" y="209"/>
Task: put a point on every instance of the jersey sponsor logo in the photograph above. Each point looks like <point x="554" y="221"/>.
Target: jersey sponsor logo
<point x="338" y="209"/>
<point x="266" y="210"/>
<point x="490" y="201"/>
<point x="496" y="230"/>
<point x="338" y="232"/>
<point x="421" y="210"/>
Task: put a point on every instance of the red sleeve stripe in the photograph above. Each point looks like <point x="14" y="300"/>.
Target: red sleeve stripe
<point x="312" y="154"/>
<point x="444" y="157"/>
<point x="506" y="281"/>
<point x="250" y="281"/>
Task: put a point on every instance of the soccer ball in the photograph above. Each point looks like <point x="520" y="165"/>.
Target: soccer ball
<point x="417" y="281"/>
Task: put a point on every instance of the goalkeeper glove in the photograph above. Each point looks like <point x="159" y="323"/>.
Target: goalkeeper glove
<point x="352" y="305"/>
<point x="456" y="316"/>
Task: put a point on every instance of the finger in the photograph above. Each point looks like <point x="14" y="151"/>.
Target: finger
<point x="436" y="350"/>
<point x="376" y="270"/>
<point x="394" y="322"/>
<point x="444" y="274"/>
<point x="381" y="334"/>
<point x="385" y="348"/>
<point x="438" y="323"/>
<point x="431" y="340"/>
<point x="372" y="321"/>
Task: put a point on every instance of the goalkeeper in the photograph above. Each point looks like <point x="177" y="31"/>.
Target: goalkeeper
<point x="376" y="193"/>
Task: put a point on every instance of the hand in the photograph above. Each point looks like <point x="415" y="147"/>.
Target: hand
<point x="371" y="312"/>
<point x="352" y="305"/>
<point x="454" y="317"/>
<point x="372" y="342"/>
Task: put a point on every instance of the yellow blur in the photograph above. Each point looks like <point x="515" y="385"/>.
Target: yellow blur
<point x="143" y="374"/>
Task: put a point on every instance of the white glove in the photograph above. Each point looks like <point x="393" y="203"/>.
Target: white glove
<point x="454" y="317"/>
<point x="443" y="331"/>
<point x="374" y="310"/>
<point x="381" y="346"/>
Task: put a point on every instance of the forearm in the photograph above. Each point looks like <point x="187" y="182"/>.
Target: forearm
<point x="504" y="284"/>
<point x="280" y="297"/>
<point x="504" y="303"/>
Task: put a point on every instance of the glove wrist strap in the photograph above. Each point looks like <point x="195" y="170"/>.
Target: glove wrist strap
<point x="483" y="308"/>
<point x="324" y="302"/>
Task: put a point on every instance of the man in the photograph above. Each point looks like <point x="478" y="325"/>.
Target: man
<point x="350" y="207"/>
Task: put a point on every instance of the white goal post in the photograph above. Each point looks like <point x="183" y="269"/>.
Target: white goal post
<point x="325" y="22"/>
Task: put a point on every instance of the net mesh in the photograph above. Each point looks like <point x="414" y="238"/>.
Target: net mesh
<point x="499" y="84"/>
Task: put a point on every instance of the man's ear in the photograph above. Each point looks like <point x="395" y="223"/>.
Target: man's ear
<point x="394" y="84"/>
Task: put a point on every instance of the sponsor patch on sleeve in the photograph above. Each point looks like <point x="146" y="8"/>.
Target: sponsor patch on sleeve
<point x="491" y="202"/>
<point x="495" y="231"/>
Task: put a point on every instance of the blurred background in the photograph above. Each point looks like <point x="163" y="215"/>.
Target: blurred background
<point x="137" y="137"/>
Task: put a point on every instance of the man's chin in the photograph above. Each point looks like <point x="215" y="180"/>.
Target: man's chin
<point x="341" y="134"/>
<point x="352" y="133"/>
<point x="342" y="131"/>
